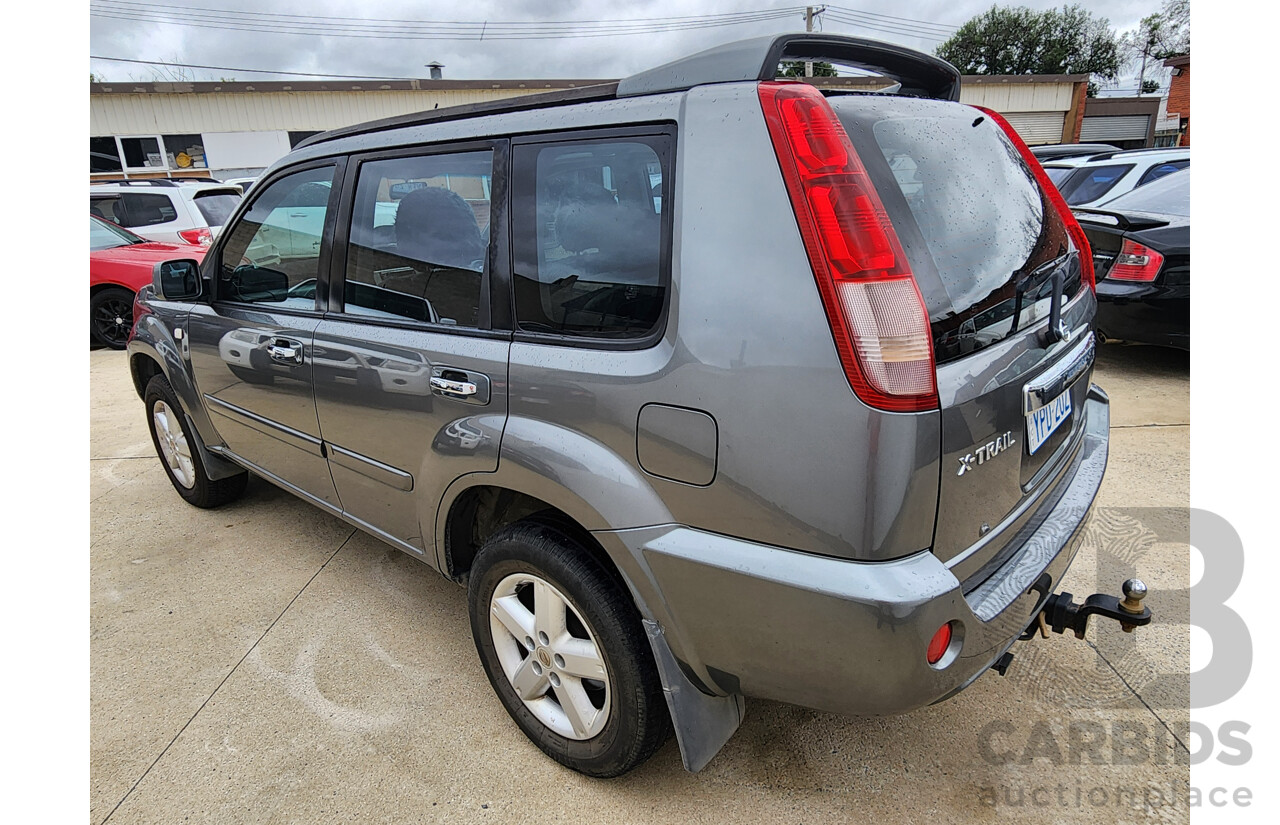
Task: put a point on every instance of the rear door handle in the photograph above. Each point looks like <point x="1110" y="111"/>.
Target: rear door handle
<point x="285" y="351"/>
<point x="461" y="385"/>
<point x="447" y="387"/>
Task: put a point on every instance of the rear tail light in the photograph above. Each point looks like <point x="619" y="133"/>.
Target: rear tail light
<point x="1135" y="263"/>
<point x="877" y="316"/>
<point x="1055" y="197"/>
<point x="202" y="236"/>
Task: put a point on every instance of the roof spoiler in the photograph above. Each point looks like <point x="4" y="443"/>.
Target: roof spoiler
<point x="919" y="74"/>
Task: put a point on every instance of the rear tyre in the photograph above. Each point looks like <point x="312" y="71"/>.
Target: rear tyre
<point x="175" y="445"/>
<point x="564" y="648"/>
<point x="110" y="317"/>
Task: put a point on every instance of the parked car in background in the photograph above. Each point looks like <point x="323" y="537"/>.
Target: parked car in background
<point x="121" y="263"/>
<point x="1142" y="256"/>
<point x="1056" y="151"/>
<point x="515" y="341"/>
<point x="169" y="210"/>
<point x="243" y="184"/>
<point x="1091" y="180"/>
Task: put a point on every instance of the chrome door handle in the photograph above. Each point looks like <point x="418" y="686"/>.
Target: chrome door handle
<point x="462" y="388"/>
<point x="286" y="352"/>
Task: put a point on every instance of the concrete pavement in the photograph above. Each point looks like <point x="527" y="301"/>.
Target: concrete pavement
<point x="266" y="663"/>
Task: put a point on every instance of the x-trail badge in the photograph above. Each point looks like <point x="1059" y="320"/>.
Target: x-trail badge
<point x="985" y="453"/>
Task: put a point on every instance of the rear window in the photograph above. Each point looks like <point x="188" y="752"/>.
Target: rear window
<point x="1088" y="183"/>
<point x="1170" y="195"/>
<point x="217" y="206"/>
<point x="980" y="236"/>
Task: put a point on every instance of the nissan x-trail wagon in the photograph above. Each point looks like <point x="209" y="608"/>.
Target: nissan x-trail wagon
<point x="706" y="385"/>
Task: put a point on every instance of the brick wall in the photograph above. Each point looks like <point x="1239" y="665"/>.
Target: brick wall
<point x="1180" y="102"/>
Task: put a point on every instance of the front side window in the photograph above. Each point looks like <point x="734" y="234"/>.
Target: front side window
<point x="272" y="254"/>
<point x="420" y="238"/>
<point x="589" y="232"/>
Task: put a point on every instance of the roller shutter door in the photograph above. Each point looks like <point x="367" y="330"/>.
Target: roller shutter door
<point x="1037" y="127"/>
<point x="1115" y="127"/>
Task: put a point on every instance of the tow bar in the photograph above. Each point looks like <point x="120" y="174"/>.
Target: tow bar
<point x="1061" y="613"/>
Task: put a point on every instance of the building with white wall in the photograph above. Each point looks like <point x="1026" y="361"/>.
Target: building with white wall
<point x="238" y="128"/>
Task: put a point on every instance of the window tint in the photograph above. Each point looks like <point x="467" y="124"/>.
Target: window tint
<point x="420" y="238"/>
<point x="1088" y="183"/>
<point x="216" y="207"/>
<point x="272" y="253"/>
<point x="588" y="236"/>
<point x="1171" y="195"/>
<point x="1160" y="170"/>
<point x="130" y="209"/>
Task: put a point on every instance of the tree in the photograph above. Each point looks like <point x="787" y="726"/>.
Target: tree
<point x="795" y="68"/>
<point x="1163" y="34"/>
<point x="1019" y="40"/>
<point x="1150" y="87"/>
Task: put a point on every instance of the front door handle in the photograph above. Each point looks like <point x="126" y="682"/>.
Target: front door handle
<point x="465" y="389"/>
<point x="285" y="351"/>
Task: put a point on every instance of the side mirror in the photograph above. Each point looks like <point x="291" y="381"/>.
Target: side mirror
<point x="176" y="280"/>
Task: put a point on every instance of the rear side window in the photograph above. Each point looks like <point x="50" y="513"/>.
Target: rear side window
<point x="130" y="209"/>
<point x="420" y="238"/>
<point x="590" y="234"/>
<point x="1160" y="170"/>
<point x="1088" y="183"/>
<point x="216" y="207"/>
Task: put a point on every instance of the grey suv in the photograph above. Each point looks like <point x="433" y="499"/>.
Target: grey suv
<point x="706" y="385"/>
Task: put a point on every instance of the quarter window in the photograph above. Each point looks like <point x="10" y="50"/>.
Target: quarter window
<point x="420" y="238"/>
<point x="272" y="254"/>
<point x="589" y="236"/>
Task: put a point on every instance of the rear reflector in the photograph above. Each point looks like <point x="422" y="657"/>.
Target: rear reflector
<point x="1055" y="197"/>
<point x="1135" y="263"/>
<point x="877" y="316"/>
<point x="938" y="644"/>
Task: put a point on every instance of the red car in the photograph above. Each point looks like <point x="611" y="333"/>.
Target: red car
<point x="120" y="264"/>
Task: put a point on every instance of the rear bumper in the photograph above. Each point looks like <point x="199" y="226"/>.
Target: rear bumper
<point x="850" y="637"/>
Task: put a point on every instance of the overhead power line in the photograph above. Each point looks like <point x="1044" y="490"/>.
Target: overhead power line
<point x="413" y="30"/>
<point x="209" y="17"/>
<point x="242" y="69"/>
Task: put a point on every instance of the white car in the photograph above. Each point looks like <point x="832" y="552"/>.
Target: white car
<point x="170" y="210"/>
<point x="1095" y="179"/>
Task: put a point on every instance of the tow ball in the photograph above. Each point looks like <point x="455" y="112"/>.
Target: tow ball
<point x="1061" y="612"/>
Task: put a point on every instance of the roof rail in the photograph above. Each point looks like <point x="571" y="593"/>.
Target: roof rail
<point x="919" y="74"/>
<point x="136" y="182"/>
<point x="1129" y="152"/>
<point x="581" y="94"/>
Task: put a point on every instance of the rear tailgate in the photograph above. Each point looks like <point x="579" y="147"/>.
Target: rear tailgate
<point x="988" y="250"/>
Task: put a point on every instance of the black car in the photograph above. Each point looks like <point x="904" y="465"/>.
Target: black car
<point x="1142" y="256"/>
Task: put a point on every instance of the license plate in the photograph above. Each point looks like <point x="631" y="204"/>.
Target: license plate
<point x="1042" y="422"/>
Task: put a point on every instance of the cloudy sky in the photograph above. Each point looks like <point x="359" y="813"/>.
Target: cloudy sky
<point x="378" y="41"/>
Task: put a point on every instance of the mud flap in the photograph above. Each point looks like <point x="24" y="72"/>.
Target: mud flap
<point x="702" y="723"/>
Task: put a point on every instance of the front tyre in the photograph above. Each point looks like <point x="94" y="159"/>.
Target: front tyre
<point x="565" y="650"/>
<point x="175" y="445"/>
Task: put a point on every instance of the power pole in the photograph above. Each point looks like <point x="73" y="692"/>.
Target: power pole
<point x="810" y="14"/>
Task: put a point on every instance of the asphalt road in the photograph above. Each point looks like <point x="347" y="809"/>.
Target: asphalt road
<point x="268" y="663"/>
